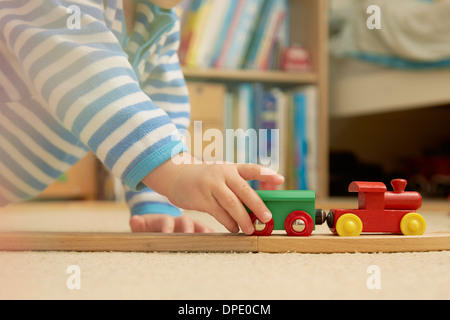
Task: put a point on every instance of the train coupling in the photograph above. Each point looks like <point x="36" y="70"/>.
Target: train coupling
<point x="321" y="216"/>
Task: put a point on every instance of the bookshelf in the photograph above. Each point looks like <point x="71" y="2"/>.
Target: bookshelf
<point x="252" y="75"/>
<point x="309" y="28"/>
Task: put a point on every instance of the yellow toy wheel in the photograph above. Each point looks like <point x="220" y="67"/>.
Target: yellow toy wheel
<point x="349" y="225"/>
<point x="413" y="224"/>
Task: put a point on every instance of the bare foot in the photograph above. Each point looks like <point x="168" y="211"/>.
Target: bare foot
<point x="165" y="223"/>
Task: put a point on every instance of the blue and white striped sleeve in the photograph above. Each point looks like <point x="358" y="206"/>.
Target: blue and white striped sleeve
<point x="163" y="81"/>
<point x="86" y="82"/>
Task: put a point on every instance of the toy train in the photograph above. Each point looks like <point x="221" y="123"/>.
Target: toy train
<point x="379" y="211"/>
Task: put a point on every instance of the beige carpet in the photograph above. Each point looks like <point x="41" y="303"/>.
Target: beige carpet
<point x="43" y="275"/>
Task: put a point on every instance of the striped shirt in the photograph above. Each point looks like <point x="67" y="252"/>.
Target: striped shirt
<point x="73" y="81"/>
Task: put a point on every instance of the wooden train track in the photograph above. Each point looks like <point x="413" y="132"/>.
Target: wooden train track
<point x="147" y="242"/>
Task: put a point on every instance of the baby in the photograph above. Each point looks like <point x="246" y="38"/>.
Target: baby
<point x="104" y="76"/>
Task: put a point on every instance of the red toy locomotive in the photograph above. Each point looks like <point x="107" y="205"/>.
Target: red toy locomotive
<point x="379" y="211"/>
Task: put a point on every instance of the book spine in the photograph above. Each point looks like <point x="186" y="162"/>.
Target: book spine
<point x="232" y="32"/>
<point x="282" y="124"/>
<point x="221" y="37"/>
<point x="212" y="31"/>
<point x="258" y="34"/>
<point x="268" y="120"/>
<point x="199" y="28"/>
<point x="244" y="32"/>
<point x="312" y="134"/>
<point x="189" y="28"/>
<point x="270" y="36"/>
<point x="300" y="139"/>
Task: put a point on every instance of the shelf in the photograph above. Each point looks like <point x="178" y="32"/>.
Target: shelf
<point x="387" y="90"/>
<point x="252" y="75"/>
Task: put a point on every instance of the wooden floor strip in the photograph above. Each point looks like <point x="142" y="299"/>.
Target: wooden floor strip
<point x="139" y="242"/>
<point x="127" y="242"/>
<point x="363" y="244"/>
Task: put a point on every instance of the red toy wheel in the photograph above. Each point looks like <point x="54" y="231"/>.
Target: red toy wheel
<point x="299" y="224"/>
<point x="261" y="229"/>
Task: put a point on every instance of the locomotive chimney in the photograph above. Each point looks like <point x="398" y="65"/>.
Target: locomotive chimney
<point x="398" y="185"/>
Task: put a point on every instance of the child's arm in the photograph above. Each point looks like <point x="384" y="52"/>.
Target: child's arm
<point x="163" y="81"/>
<point x="84" y="79"/>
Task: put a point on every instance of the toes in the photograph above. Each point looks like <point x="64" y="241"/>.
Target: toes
<point x="137" y="224"/>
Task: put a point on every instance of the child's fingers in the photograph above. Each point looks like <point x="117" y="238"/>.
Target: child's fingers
<point x="137" y="224"/>
<point x="163" y="223"/>
<point x="233" y="205"/>
<point x="184" y="224"/>
<point x="250" y="198"/>
<point x="221" y="215"/>
<point x="249" y="171"/>
<point x="200" y="228"/>
<point x="152" y="223"/>
<point x="167" y="224"/>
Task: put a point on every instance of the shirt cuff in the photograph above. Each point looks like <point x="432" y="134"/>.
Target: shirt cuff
<point x="155" y="159"/>
<point x="155" y="208"/>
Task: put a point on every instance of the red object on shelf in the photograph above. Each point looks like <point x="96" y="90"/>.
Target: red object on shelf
<point x="295" y="59"/>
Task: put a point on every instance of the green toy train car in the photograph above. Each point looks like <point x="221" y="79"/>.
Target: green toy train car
<point x="292" y="210"/>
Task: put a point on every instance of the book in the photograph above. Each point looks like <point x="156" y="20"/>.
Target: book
<point x="268" y="137"/>
<point x="182" y="10"/>
<point x="234" y="34"/>
<point x="258" y="34"/>
<point x="312" y="133"/>
<point x="272" y="27"/>
<point x="299" y="139"/>
<point x="282" y="124"/>
<point x="305" y="132"/>
<point x="253" y="110"/>
<point x="241" y="39"/>
<point x="245" y="151"/>
<point x="217" y="45"/>
<point x="231" y="34"/>
<point x="213" y="28"/>
<point x="198" y="31"/>
<point x="190" y="26"/>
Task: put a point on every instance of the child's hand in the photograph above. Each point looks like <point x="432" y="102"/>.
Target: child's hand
<point x="165" y="223"/>
<point x="218" y="189"/>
